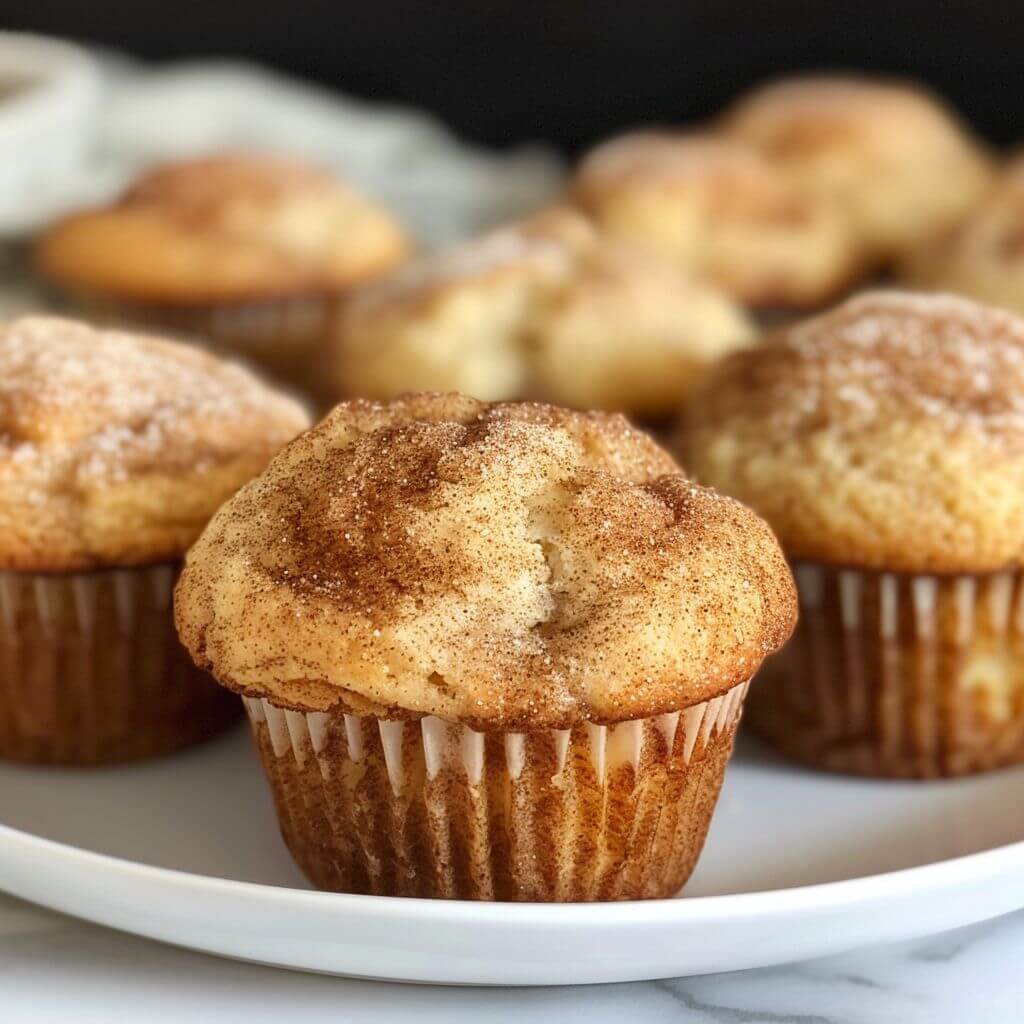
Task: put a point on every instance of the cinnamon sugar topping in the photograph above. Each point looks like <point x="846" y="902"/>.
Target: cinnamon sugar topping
<point x="498" y="564"/>
<point x="951" y="361"/>
<point x="85" y="413"/>
<point x="888" y="433"/>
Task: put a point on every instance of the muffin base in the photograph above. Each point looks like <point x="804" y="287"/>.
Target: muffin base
<point x="92" y="671"/>
<point x="898" y="675"/>
<point x="430" y="809"/>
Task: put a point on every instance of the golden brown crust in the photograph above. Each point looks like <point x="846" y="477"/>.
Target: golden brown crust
<point x="718" y="208"/>
<point x="545" y="308"/>
<point x="888" y="433"/>
<point x="223" y="229"/>
<point x="508" y="566"/>
<point x="895" y="158"/>
<point x="115" y="449"/>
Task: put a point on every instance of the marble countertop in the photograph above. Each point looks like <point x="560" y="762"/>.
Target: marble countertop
<point x="54" y="968"/>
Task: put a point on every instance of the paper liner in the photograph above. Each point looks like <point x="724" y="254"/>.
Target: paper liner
<point x="287" y="338"/>
<point x="910" y="676"/>
<point x="92" y="672"/>
<point x="432" y="809"/>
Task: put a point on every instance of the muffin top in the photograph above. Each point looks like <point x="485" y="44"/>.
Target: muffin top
<point x="510" y="566"/>
<point x="546" y="308"/>
<point x="888" y="433"/>
<point x="897" y="159"/>
<point x="224" y="228"/>
<point x="719" y="208"/>
<point x="116" y="449"/>
<point x="984" y="256"/>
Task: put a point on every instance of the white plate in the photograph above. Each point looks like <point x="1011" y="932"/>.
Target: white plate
<point x="797" y="865"/>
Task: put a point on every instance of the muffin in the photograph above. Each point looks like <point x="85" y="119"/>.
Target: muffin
<point x="247" y="251"/>
<point x="719" y="209"/>
<point x="897" y="160"/>
<point x="984" y="257"/>
<point x="884" y="443"/>
<point x="488" y="651"/>
<point x="114" y="452"/>
<point x="547" y="309"/>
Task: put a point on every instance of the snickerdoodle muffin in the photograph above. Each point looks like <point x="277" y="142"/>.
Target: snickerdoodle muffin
<point x="984" y="257"/>
<point x="897" y="160"/>
<point x="488" y="651"/>
<point x="250" y="251"/>
<point x="546" y="309"/>
<point x="884" y="443"/>
<point x="718" y="208"/>
<point x="115" y="450"/>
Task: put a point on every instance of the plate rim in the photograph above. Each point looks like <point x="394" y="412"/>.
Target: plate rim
<point x="817" y="895"/>
<point x="460" y="942"/>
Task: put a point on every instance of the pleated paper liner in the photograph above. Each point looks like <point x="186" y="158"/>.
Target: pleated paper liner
<point x="285" y="338"/>
<point x="909" y="676"/>
<point x="431" y="809"/>
<point x="92" y="672"/>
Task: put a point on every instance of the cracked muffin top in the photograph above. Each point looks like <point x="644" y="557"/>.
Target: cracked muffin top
<point x="887" y="434"/>
<point x="545" y="308"/>
<point x="895" y="158"/>
<point x="509" y="566"/>
<point x="115" y="449"/>
<point x="223" y="228"/>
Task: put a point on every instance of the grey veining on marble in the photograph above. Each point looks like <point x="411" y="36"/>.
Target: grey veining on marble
<point x="54" y="968"/>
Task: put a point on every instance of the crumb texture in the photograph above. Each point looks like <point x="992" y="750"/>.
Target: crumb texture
<point x="227" y="228"/>
<point x="888" y="433"/>
<point x="546" y="308"/>
<point x="115" y="449"/>
<point x="506" y="566"/>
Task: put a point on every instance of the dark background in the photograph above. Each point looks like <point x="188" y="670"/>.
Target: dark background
<point x="568" y="70"/>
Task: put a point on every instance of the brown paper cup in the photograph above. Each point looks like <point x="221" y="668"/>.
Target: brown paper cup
<point x="909" y="676"/>
<point x="432" y="809"/>
<point x="92" y="672"/>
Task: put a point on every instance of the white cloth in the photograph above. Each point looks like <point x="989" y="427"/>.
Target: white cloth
<point x="441" y="187"/>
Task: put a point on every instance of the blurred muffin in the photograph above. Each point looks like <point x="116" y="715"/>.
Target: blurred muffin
<point x="897" y="160"/>
<point x="547" y="309"/>
<point x="488" y="651"/>
<point x="984" y="257"/>
<point x="249" y="251"/>
<point x="717" y="208"/>
<point x="884" y="443"/>
<point x="114" y="452"/>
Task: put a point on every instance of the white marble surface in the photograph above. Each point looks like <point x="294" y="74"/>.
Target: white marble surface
<point x="54" y="968"/>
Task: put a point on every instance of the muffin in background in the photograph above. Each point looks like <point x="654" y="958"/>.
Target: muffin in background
<point x="719" y="209"/>
<point x="247" y="251"/>
<point x="983" y="258"/>
<point x="898" y="161"/>
<point x="115" y="450"/>
<point x="488" y="651"/>
<point x="548" y="309"/>
<point x="884" y="443"/>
